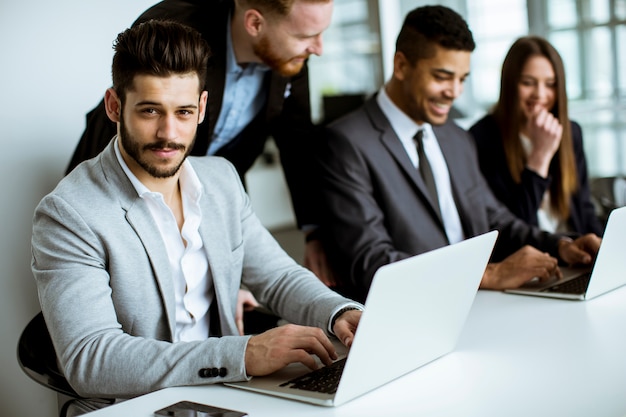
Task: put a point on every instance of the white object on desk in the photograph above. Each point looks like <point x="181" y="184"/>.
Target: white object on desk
<point x="517" y="356"/>
<point x="609" y="269"/>
<point x="418" y="305"/>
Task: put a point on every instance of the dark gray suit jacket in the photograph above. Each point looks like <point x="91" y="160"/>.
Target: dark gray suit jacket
<point x="524" y="198"/>
<point x="377" y="207"/>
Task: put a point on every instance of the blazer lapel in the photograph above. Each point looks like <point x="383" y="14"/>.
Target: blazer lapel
<point x="140" y="219"/>
<point x="216" y="80"/>
<point x="279" y="89"/>
<point x="393" y="144"/>
<point x="215" y="88"/>
<point x="456" y="168"/>
<point x="219" y="257"/>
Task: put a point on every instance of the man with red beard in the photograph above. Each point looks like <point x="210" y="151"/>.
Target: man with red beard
<point x="258" y="87"/>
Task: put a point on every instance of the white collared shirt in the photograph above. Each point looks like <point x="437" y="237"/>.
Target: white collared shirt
<point x="193" y="284"/>
<point x="405" y="128"/>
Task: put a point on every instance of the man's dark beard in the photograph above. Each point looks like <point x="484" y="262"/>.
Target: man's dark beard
<point x="134" y="151"/>
<point x="264" y="51"/>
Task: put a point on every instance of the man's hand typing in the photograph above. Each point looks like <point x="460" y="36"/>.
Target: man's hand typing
<point x="278" y="347"/>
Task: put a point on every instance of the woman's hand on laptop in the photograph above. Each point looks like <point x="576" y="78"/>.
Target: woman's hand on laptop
<point x="280" y="346"/>
<point x="581" y="251"/>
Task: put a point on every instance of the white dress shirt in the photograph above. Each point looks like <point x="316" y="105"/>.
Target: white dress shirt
<point x="405" y="128"/>
<point x="193" y="283"/>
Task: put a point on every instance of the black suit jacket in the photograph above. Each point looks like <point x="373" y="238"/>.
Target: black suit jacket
<point x="286" y="115"/>
<point x="378" y="209"/>
<point x="524" y="199"/>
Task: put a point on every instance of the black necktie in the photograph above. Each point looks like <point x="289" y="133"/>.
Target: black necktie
<point x="425" y="170"/>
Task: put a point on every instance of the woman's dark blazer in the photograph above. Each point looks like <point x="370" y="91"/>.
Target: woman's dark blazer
<point x="524" y="199"/>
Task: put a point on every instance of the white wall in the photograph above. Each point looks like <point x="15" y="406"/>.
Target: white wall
<point x="54" y="67"/>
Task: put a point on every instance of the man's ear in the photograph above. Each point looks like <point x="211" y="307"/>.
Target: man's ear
<point x="400" y="65"/>
<point x="202" y="106"/>
<point x="253" y="22"/>
<point x="112" y="105"/>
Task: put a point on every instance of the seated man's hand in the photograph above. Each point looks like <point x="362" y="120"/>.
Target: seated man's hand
<point x="278" y="347"/>
<point x="345" y="326"/>
<point x="581" y="251"/>
<point x="316" y="261"/>
<point x="520" y="267"/>
<point x="245" y="302"/>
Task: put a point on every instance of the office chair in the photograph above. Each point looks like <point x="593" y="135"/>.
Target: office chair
<point x="607" y="193"/>
<point x="335" y="106"/>
<point x="36" y="357"/>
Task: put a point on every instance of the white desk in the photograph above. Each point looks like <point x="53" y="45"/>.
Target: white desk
<point x="517" y="356"/>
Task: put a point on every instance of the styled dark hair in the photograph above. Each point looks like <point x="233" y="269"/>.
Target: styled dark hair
<point x="428" y="26"/>
<point x="508" y="115"/>
<point x="159" y="48"/>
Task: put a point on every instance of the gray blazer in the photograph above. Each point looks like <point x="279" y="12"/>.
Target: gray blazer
<point x="378" y="209"/>
<point x="106" y="291"/>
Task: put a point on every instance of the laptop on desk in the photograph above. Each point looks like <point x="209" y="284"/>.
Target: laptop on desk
<point x="414" y="314"/>
<point x="608" y="273"/>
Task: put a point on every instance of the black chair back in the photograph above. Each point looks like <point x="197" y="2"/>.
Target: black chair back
<point x="36" y="356"/>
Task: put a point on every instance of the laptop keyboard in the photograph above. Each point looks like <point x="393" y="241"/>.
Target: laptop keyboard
<point x="324" y="380"/>
<point x="577" y="285"/>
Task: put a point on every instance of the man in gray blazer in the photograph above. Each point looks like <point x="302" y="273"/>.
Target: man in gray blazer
<point x="138" y="253"/>
<point x="380" y="207"/>
<point x="258" y="84"/>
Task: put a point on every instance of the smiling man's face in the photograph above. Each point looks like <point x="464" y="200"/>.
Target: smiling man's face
<point x="429" y="87"/>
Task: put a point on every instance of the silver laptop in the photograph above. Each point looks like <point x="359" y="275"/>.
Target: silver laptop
<point x="608" y="273"/>
<point x="414" y="314"/>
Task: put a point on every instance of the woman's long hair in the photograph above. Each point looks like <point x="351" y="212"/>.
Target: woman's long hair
<point x="509" y="117"/>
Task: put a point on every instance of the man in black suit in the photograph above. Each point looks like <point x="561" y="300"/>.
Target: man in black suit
<point x="258" y="87"/>
<point x="392" y="192"/>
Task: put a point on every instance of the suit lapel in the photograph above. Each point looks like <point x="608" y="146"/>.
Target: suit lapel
<point x="279" y="89"/>
<point x="457" y="168"/>
<point x="216" y="73"/>
<point x="393" y="144"/>
<point x="216" y="78"/>
<point x="140" y="219"/>
<point x="219" y="257"/>
<point x="214" y="256"/>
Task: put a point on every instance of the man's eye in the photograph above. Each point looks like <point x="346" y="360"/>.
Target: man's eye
<point x="149" y="111"/>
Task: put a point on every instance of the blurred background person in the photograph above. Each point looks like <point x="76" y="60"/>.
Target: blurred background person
<point x="529" y="150"/>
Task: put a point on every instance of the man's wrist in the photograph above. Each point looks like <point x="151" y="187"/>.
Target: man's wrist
<point x="339" y="313"/>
